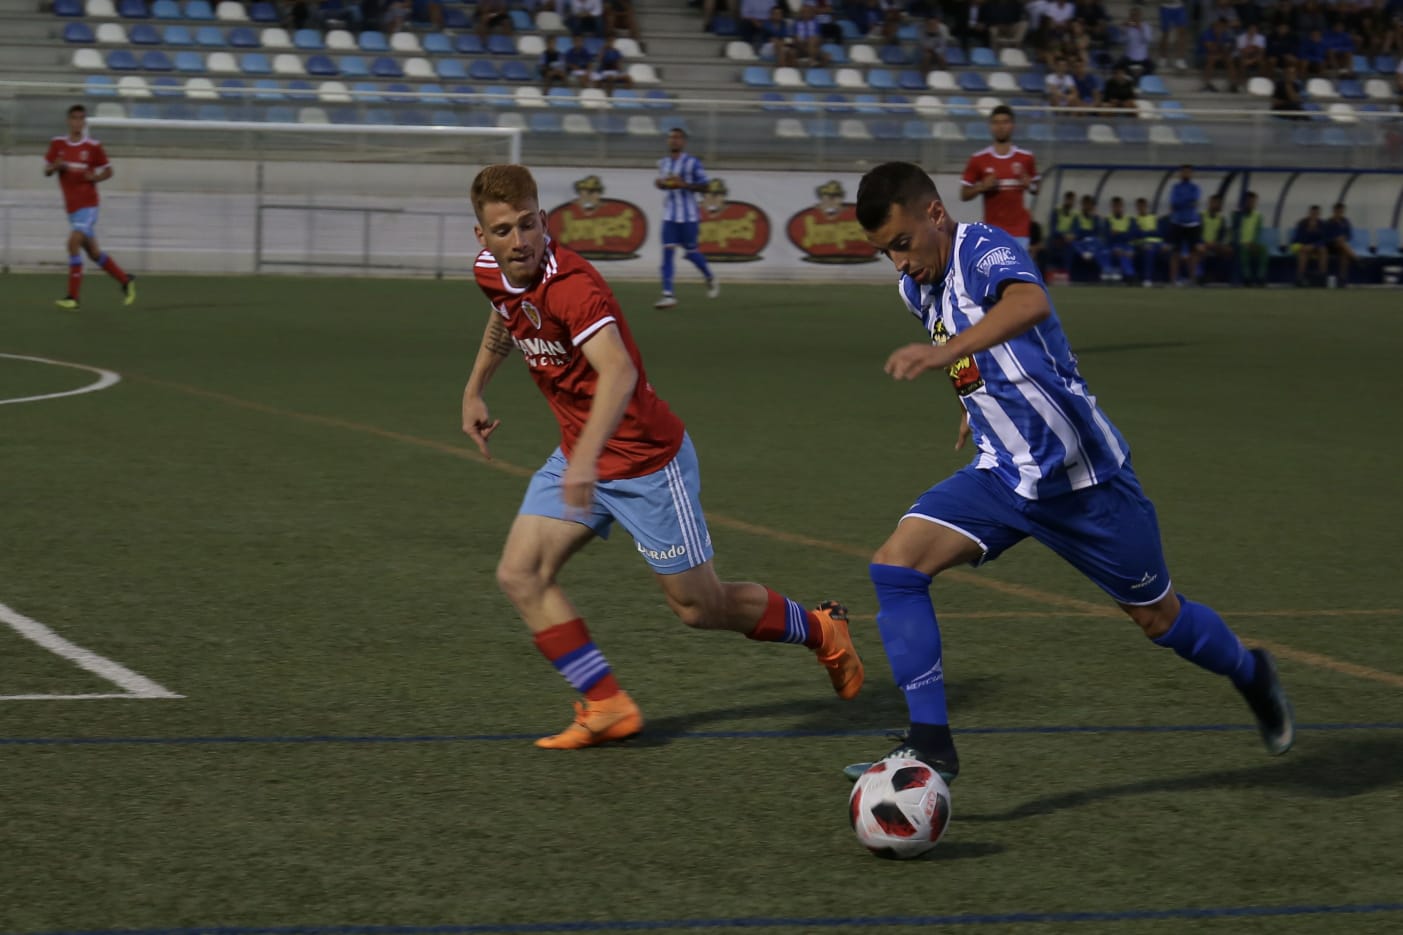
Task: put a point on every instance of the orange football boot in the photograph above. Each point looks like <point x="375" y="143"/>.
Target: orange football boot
<point x="837" y="652"/>
<point x="596" y="722"/>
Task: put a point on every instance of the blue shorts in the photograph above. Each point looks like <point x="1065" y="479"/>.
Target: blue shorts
<point x="681" y="234"/>
<point x="1108" y="532"/>
<point x="662" y="510"/>
<point x="1184" y="237"/>
<point x="1173" y="18"/>
<point x="84" y="220"/>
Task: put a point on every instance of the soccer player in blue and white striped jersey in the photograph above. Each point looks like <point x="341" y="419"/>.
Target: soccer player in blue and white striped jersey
<point x="681" y="178"/>
<point x="1048" y="465"/>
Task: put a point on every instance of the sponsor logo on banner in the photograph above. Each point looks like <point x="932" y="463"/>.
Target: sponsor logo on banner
<point x="596" y="227"/>
<point x="828" y="232"/>
<point x="731" y="231"/>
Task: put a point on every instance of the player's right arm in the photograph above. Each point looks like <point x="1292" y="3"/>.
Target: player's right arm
<point x="971" y="183"/>
<point x="52" y="163"/>
<point x="478" y="423"/>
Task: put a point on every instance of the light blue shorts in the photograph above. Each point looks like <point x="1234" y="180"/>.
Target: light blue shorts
<point x="662" y="510"/>
<point x="84" y="220"/>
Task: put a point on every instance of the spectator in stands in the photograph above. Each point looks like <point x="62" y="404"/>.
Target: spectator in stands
<point x="776" y="37"/>
<point x="934" y="44"/>
<point x="1088" y="86"/>
<point x="1251" y="251"/>
<point x="1281" y="46"/>
<point x="1339" y="50"/>
<point x="972" y="29"/>
<point x="1076" y="45"/>
<point x="1375" y="24"/>
<point x="1249" y="13"/>
<point x="1137" y="36"/>
<point x="389" y="18"/>
<point x="1310" y="17"/>
<point x="1061" y="87"/>
<point x="1096" y="21"/>
<point x="1120" y="238"/>
<point x="1311" y="53"/>
<point x="827" y="19"/>
<point x="1008" y="22"/>
<point x="619" y="16"/>
<point x="1282" y="13"/>
<point x="754" y="19"/>
<point x="1250" y="57"/>
<point x="299" y="14"/>
<point x="1308" y="242"/>
<point x="1120" y="91"/>
<point x="1286" y="98"/>
<point x="1215" y="251"/>
<point x="333" y="13"/>
<point x="1149" y="241"/>
<point x="1174" y="32"/>
<point x="552" y="68"/>
<point x="1222" y="10"/>
<point x="609" y="70"/>
<point x="492" y="16"/>
<point x="1338" y="233"/>
<point x="1217" y="51"/>
<point x="579" y="63"/>
<point x="709" y="10"/>
<point x="804" y="42"/>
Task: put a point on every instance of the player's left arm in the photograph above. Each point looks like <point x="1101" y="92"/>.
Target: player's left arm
<point x="697" y="182"/>
<point x="103" y="171"/>
<point x="617" y="379"/>
<point x="1020" y="307"/>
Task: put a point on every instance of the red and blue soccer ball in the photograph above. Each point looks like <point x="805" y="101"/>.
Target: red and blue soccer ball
<point x="899" y="808"/>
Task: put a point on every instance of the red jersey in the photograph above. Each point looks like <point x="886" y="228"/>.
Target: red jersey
<point x="79" y="157"/>
<point x="1004" y="207"/>
<point x="549" y="321"/>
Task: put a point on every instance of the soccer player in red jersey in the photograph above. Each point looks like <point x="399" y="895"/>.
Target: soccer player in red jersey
<point x="1002" y="173"/>
<point x="81" y="163"/>
<point x="623" y="456"/>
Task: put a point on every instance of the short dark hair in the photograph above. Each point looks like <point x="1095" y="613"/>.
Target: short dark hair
<point x="1315" y="207"/>
<point x="77" y="109"/>
<point x="1339" y="205"/>
<point x="672" y="130"/>
<point x="1250" y="195"/>
<point x="891" y="183"/>
<point x="1003" y="110"/>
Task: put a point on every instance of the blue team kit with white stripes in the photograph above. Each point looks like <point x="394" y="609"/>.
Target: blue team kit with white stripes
<point x="681" y="213"/>
<point x="1037" y="431"/>
<point x="661" y="510"/>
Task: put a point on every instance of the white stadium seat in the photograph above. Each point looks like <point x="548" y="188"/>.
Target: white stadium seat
<point x="863" y="54"/>
<point x="275" y="37"/>
<point x="1102" y="133"/>
<point x="578" y="124"/>
<point x="100" y="9"/>
<point x="222" y="63"/>
<point x="941" y="81"/>
<point x="549" y="21"/>
<point x="850" y="79"/>
<point x="594" y="99"/>
<point x="628" y="47"/>
<point x="133" y="86"/>
<point x="788" y="78"/>
<point x="738" y="51"/>
<point x="642" y="125"/>
<point x="643" y="73"/>
<point x="109" y="109"/>
<point x="312" y="115"/>
<point x="790" y="128"/>
<point x="339" y="40"/>
<point x="853" y="129"/>
<point x="111" y="34"/>
<point x="285" y="63"/>
<point x="1163" y="135"/>
<point x="529" y="44"/>
<point x="88" y="59"/>
<point x="529" y="96"/>
<point x="230" y="11"/>
<point x="405" y="42"/>
<point x="333" y="92"/>
<point x="419" y="67"/>
<point x="200" y="89"/>
<point x="1257" y="86"/>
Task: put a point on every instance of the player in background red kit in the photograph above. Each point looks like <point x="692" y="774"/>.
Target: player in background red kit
<point x="623" y="456"/>
<point x="80" y="163"/>
<point x="1002" y="173"/>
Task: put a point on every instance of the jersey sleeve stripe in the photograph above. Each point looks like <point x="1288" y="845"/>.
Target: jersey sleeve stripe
<point x="585" y="335"/>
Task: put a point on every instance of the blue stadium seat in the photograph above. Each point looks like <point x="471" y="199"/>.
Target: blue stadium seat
<point x="143" y="34"/>
<point x="79" y="32"/>
<point x="957" y="105"/>
<point x="757" y="76"/>
<point x="611" y="125"/>
<point x="255" y="63"/>
<point x="266" y="89"/>
<point x="309" y="39"/>
<point x="723" y="25"/>
<point x="166" y="86"/>
<point x="400" y="93"/>
<point x="380" y="118"/>
<point x="468" y="44"/>
<point x="880" y="79"/>
<point x="562" y="97"/>
<point x="353" y="66"/>
<point x="836" y="54"/>
<point x="198" y="10"/>
<point x="343" y="115"/>
<point x="973" y="81"/>
<point x="263" y="12"/>
<point x="1385" y="64"/>
<point x="156" y="60"/>
<point x="241" y="37"/>
<point x="373" y="41"/>
<point x="483" y="70"/>
<point x="210" y="37"/>
<point x="1350" y="89"/>
<point x="443" y="118"/>
<point x="498" y="44"/>
<point x="1172" y="110"/>
<point x="1194" y="136"/>
<point x="885" y="129"/>
<point x="821" y="128"/>
<point x="894" y="55"/>
<point x="100" y="86"/>
<point x="281" y="115"/>
<point x="436" y="43"/>
<point x="121" y="60"/>
<point x="1359" y="240"/>
<point x="515" y="70"/>
<point x="478" y="118"/>
<point x="1031" y="83"/>
<point x="180" y="111"/>
<point x="659" y="100"/>
<point x="628" y="99"/>
<point x="1305" y="136"/>
<point x="915" y="130"/>
<point x="868" y="104"/>
<point x="177" y="35"/>
<point x="1068" y="131"/>
<point x="1132" y="132"/>
<point x="367" y="92"/>
<point x="955" y="57"/>
<point x="321" y="65"/>
<point x="166" y="9"/>
<point x="1039" y="132"/>
<point x="132" y="9"/>
<point x="429" y="94"/>
<point x="983" y="58"/>
<point x="450" y="69"/>
<point x="190" y="63"/>
<point x="300" y="90"/>
<point x="1153" y="85"/>
<point x="820" y="78"/>
<point x="837" y="104"/>
<point x="386" y="67"/>
<point x="522" y="21"/>
<point x="974" y="130"/>
<point x="410" y="117"/>
<point x="805" y="103"/>
<point x="911" y="80"/>
<point x="232" y="89"/>
<point x="908" y="32"/>
<point x="68" y="8"/>
<point x="1386" y="242"/>
<point x="774" y="102"/>
<point x="1333" y="136"/>
<point x="1361" y="64"/>
<point x="143" y="110"/>
<point x="211" y="112"/>
<point x="545" y="122"/>
<point x="900" y="104"/>
<point x="462" y="92"/>
<point x="456" y="18"/>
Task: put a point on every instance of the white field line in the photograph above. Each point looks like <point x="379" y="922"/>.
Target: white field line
<point x="105" y="378"/>
<point x="134" y="685"/>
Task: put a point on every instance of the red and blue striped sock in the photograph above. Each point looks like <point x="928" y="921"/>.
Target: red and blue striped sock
<point x="785" y="621"/>
<point x="570" y="649"/>
<point x="113" y="270"/>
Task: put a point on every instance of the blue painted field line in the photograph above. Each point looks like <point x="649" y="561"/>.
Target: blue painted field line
<point x="680" y="735"/>
<point x="760" y="922"/>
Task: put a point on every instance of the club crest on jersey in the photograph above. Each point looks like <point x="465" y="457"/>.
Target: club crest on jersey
<point x="964" y="373"/>
<point x="532" y="313"/>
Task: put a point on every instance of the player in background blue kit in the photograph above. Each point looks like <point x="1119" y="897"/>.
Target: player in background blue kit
<point x="681" y="178"/>
<point x="1048" y="465"/>
<point x="1185" y="225"/>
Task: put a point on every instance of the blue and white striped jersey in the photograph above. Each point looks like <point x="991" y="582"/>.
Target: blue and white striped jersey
<point x="1036" y="425"/>
<point x="679" y="204"/>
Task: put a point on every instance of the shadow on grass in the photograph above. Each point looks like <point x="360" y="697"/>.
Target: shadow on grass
<point x="1337" y="768"/>
<point x="1130" y="346"/>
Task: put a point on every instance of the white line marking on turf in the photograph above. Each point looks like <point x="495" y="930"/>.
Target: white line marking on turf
<point x="91" y="697"/>
<point x="105" y="378"/>
<point x="135" y="686"/>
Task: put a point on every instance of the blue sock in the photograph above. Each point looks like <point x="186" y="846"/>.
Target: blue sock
<point x="75" y="260"/>
<point x="1200" y="636"/>
<point x="669" y="263"/>
<point x="911" y="637"/>
<point x="699" y="261"/>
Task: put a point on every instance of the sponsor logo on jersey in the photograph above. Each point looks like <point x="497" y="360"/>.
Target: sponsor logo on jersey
<point x="540" y="352"/>
<point x="999" y="256"/>
<point x="964" y="373"/>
